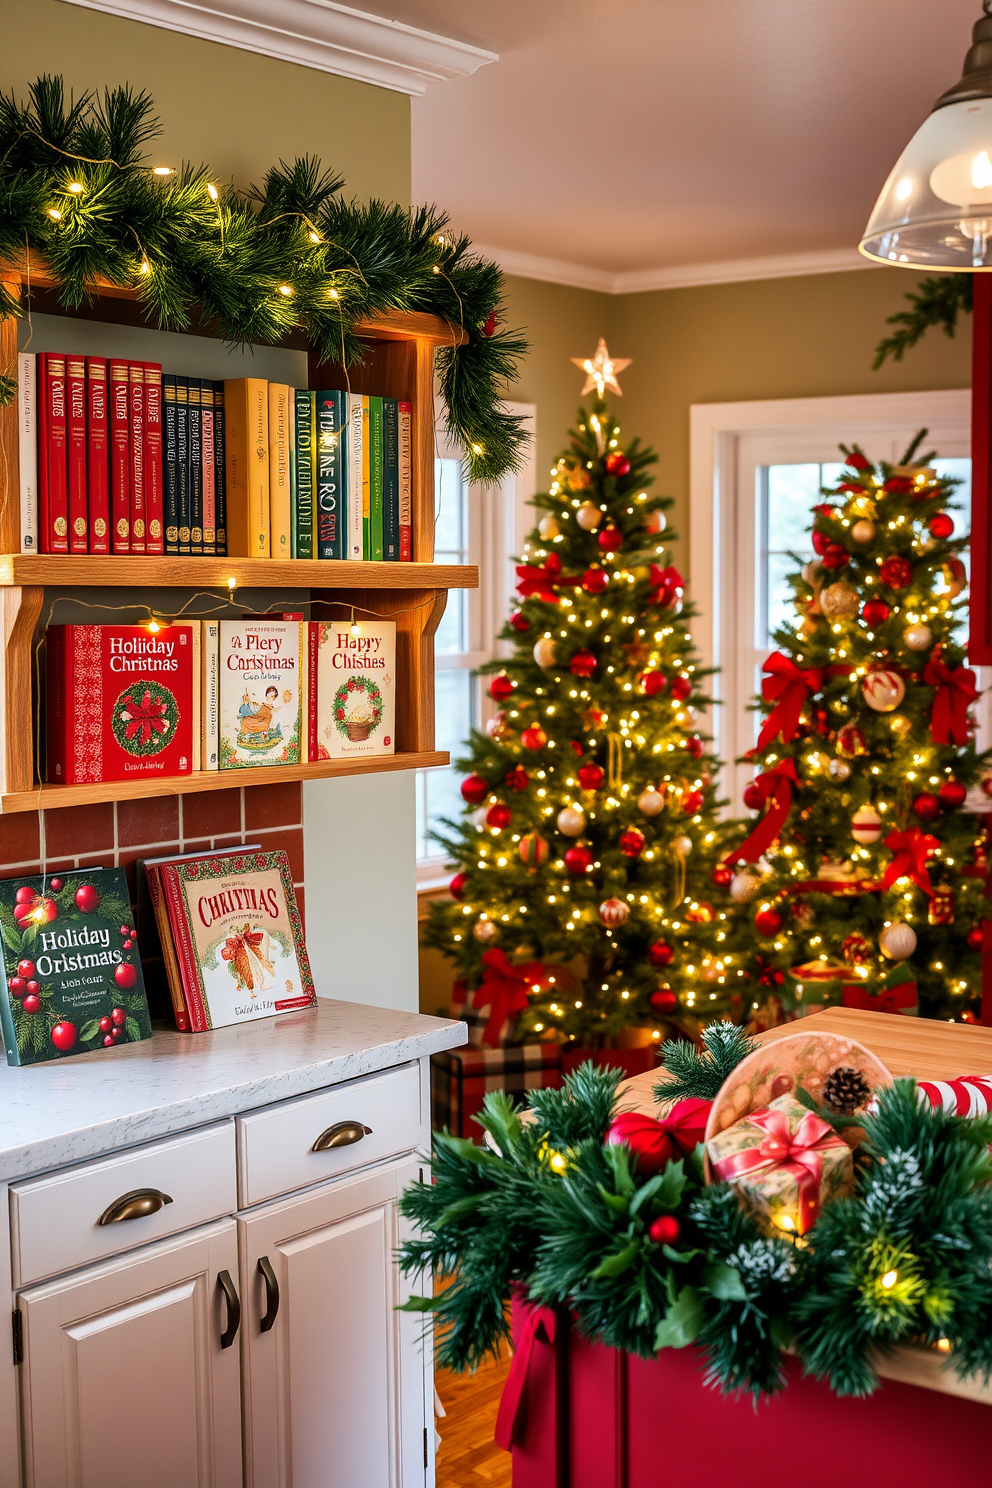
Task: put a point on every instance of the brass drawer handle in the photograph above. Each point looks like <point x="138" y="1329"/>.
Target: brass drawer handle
<point x="135" y="1205"/>
<point x="341" y="1134"/>
<point x="267" y="1274"/>
<point x="233" y="1308"/>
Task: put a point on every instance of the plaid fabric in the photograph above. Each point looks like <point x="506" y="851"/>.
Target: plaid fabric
<point x="460" y="1079"/>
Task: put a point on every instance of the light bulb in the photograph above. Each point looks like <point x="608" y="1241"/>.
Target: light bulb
<point x="889" y="1280"/>
<point x="212" y="192"/>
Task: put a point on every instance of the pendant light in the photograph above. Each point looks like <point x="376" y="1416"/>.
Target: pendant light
<point x="935" y="210"/>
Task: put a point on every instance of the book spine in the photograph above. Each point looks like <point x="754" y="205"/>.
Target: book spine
<point x="97" y="455"/>
<point x="376" y="475"/>
<point x="366" y="479"/>
<point x="182" y="459"/>
<point x="170" y="475"/>
<point x="27" y="448"/>
<point x="406" y="480"/>
<point x="313" y="651"/>
<point x="7" y="1025"/>
<point x="136" y="412"/>
<point x="209" y="462"/>
<point x="120" y="459"/>
<point x="355" y="546"/>
<point x="41" y="407"/>
<point x="210" y="703"/>
<point x="168" y="949"/>
<point x="280" y="503"/>
<point x="247" y="413"/>
<point x="154" y="497"/>
<point x="304" y="421"/>
<point x="195" y="461"/>
<point x="56" y="458"/>
<point x="330" y="470"/>
<point x="195" y="628"/>
<point x="220" y="468"/>
<point x="75" y="404"/>
<point x="390" y="481"/>
<point x="57" y="704"/>
<point x="291" y="421"/>
<point x="182" y="947"/>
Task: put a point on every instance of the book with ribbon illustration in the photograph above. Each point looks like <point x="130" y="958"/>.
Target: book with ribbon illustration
<point x="237" y="937"/>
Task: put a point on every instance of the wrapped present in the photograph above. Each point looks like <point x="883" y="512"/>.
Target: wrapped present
<point x="784" y="1161"/>
<point x="461" y="1078"/>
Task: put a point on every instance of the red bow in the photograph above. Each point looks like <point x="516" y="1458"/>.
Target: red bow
<point x="504" y="990"/>
<point x="145" y="718"/>
<point x="666" y="585"/>
<point x="800" y="1153"/>
<point x="775" y="786"/>
<point x="911" y="850"/>
<point x="788" y="687"/>
<point x="655" y="1142"/>
<point x="534" y="581"/>
<point x="955" y="689"/>
<point x="534" y="1325"/>
<point x="902" y="998"/>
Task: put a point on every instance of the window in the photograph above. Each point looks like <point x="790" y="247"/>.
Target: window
<point x="483" y="526"/>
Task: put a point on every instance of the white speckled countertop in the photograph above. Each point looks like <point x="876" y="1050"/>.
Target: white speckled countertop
<point x="61" y="1112"/>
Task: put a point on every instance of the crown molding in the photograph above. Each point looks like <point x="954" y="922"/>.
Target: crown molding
<point x="683" y="276"/>
<point x="314" y="33"/>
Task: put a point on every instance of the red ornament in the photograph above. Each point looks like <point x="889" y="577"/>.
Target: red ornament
<point x="583" y="664"/>
<point x="665" y="1230"/>
<point x="851" y="742"/>
<point x="64" y="1033"/>
<point x="896" y="572"/>
<point x="595" y="580"/>
<point x="952" y="794"/>
<point x="768" y="922"/>
<point x="36" y="911"/>
<point x="118" y="1015"/>
<point x="500" y="688"/>
<point x="591" y="777"/>
<point x="533" y="850"/>
<point x="691" y="801"/>
<point x="664" y="1001"/>
<point x="875" y="612"/>
<point x="498" y="815"/>
<point x="56" y="884"/>
<point x="681" y="688"/>
<point x="857" y="461"/>
<point x="941" y="525"/>
<point x="610" y="539"/>
<point x="87" y="898"/>
<point x="519" y="621"/>
<point x="474" y="790"/>
<point x="660" y="953"/>
<point x="694" y="746"/>
<point x="617" y="464"/>
<point x="125" y="975"/>
<point x="753" y="796"/>
<point x="578" y="860"/>
<point x="975" y="938"/>
<point x="722" y="876"/>
<point x="821" y="542"/>
<point x="456" y="887"/>
<point x="517" y="778"/>
<point x="17" y="986"/>
<point x="653" y="683"/>
<point x="25" y="968"/>
<point x="836" y="557"/>
<point x="31" y="1004"/>
<point x="534" y="737"/>
<point x="926" y="806"/>
<point x="632" y="842"/>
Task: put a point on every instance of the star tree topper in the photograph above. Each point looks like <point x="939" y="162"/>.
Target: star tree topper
<point x="601" y="370"/>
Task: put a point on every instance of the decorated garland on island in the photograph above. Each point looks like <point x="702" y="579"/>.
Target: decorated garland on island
<point x="78" y="189"/>
<point x="800" y="1201"/>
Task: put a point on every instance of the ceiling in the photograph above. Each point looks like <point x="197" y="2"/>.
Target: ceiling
<point x="627" y="136"/>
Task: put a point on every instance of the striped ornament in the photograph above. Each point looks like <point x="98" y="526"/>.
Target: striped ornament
<point x="969" y="1095"/>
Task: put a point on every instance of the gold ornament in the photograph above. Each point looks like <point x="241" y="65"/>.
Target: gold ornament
<point x="863" y="531"/>
<point x="588" y="516"/>
<point x="883" y="691"/>
<point x="839" y="769"/>
<point x="650" y="802"/>
<point x="897" y="941"/>
<point x="545" y="652"/>
<point x="682" y="846"/>
<point x="601" y="370"/>
<point x="918" y="637"/>
<point x="484" y="930"/>
<point x="839" y="600"/>
<point x="571" y="821"/>
<point x="548" y="527"/>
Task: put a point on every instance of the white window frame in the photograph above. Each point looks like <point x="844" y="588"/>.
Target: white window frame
<point x="499" y="518"/>
<point x="727" y="442"/>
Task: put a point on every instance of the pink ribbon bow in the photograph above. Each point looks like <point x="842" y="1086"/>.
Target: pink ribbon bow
<point x="799" y="1153"/>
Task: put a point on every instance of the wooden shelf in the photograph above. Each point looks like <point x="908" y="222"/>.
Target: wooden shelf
<point x="60" y="571"/>
<point x="51" y="797"/>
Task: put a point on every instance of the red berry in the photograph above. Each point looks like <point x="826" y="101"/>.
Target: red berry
<point x="664" y="1001"/>
<point x="926" y="806"/>
<point x="118" y="1015"/>
<point x="34" y="987"/>
<point x="617" y="464"/>
<point x="595" y="580"/>
<point x="127" y="945"/>
<point x="115" y="1034"/>
<point x="498" y="815"/>
<point x="474" y="790"/>
<point x="578" y="860"/>
<point x="610" y="539"/>
<point x="105" y="1025"/>
<point x="665" y="1230"/>
<point x="31" y="1004"/>
<point x="18" y="986"/>
<point x="24" y="895"/>
<point x="660" y="953"/>
<point x="456" y="887"/>
<point x="768" y="922"/>
<point x="64" y="1036"/>
<point x="124" y="930"/>
<point x="125" y="975"/>
<point x="975" y="938"/>
<point x="87" y="898"/>
<point x="25" y="968"/>
<point x="500" y="688"/>
<point x="591" y="777"/>
<point x="108" y="1041"/>
<point x="519" y="621"/>
<point x="56" y="884"/>
<point x="952" y="793"/>
<point x="941" y="525"/>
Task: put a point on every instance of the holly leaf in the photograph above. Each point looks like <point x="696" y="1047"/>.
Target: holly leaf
<point x="11" y="939"/>
<point x="644" y="1194"/>
<point x="89" y="1030"/>
<point x="617" y="1202"/>
<point x="673" y="1181"/>
<point x="724" y="1282"/>
<point x="29" y="937"/>
<point x="682" y="1320"/>
<point x="616" y="1265"/>
<point x="418" y="1304"/>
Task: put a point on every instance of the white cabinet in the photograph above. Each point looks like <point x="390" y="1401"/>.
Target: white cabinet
<point x="130" y="1374"/>
<point x="335" y="1385"/>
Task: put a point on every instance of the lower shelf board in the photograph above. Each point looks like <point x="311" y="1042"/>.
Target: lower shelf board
<point x="52" y="797"/>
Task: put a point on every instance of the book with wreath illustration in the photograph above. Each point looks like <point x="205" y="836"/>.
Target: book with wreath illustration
<point x="352" y="695"/>
<point x="237" y="938"/>
<point x="72" y="980"/>
<point x="263" y="677"/>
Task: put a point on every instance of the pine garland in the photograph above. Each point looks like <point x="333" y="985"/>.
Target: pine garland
<point x="701" y="1074"/>
<point x="938" y="301"/>
<point x="76" y="187"/>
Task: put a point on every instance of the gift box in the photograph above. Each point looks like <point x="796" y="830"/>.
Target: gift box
<point x="785" y="1162"/>
<point x="461" y="1078"/>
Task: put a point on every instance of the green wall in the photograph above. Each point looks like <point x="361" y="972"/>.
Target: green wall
<point x="233" y="110"/>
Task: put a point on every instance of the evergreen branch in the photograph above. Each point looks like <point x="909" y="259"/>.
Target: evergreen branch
<point x="938" y="301"/>
<point x="698" y="1074"/>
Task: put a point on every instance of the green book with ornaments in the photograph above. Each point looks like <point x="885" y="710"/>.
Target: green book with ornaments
<point x="72" y="979"/>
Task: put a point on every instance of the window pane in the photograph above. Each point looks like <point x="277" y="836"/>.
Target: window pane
<point x="959" y="505"/>
<point x="449" y="503"/>
<point x="781" y="601"/>
<point x="449" y="638"/>
<point x="793" y="491"/>
<point x="440" y="794"/>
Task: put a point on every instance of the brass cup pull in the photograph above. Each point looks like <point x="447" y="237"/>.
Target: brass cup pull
<point x="267" y="1274"/>
<point x="135" y="1205"/>
<point x="233" y="1308"/>
<point x="341" y="1134"/>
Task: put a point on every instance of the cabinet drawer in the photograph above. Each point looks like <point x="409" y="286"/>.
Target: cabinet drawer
<point x="55" y="1221"/>
<point x="275" y="1146"/>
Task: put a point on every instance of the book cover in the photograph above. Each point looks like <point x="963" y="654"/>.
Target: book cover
<point x="354" y="675"/>
<point x="98" y="454"/>
<point x="195" y="628"/>
<point x="136" y="416"/>
<point x="120" y="702"/>
<point x="154" y="498"/>
<point x="246" y="403"/>
<point x="280" y="502"/>
<point x="195" y="462"/>
<point x="75" y="443"/>
<point x="390" y="480"/>
<point x="52" y="449"/>
<point x="330" y="474"/>
<point x="209" y="463"/>
<point x="182" y="459"/>
<point x="120" y="458"/>
<point x="262" y="686"/>
<point x="366" y="479"/>
<point x="376" y="475"/>
<point x="353" y="477"/>
<point x="27" y="448"/>
<point x="406" y="481"/>
<point x="238" y="937"/>
<point x="220" y="468"/>
<point x="72" y="975"/>
<point x="170" y="474"/>
<point x="210" y="696"/>
<point x="304" y="420"/>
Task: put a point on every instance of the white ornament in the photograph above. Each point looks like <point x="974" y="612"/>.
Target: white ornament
<point x="682" y="846"/>
<point x="483" y="930"/>
<point x="813" y="572"/>
<point x="544" y="652"/>
<point x="571" y="822"/>
<point x="655" y="522"/>
<point x="863" y="531"/>
<point x="614" y="912"/>
<point x="897" y="941"/>
<point x="839" y="600"/>
<point x="744" y="886"/>
<point x="548" y="527"/>
<point x="650" y="802"/>
<point x="866" y="825"/>
<point x="496" y="726"/>
<point x="478" y="819"/>
<point x="839" y="769"/>
<point x="918" y="637"/>
<point x="883" y="691"/>
<point x="588" y="516"/>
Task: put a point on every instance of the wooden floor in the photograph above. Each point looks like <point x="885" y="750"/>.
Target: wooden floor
<point x="468" y="1457"/>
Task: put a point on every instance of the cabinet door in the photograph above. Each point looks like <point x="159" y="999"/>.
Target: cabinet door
<point x="335" y="1386"/>
<point x="125" y="1380"/>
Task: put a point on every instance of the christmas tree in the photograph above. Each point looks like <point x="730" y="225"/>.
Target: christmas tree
<point x="583" y="896"/>
<point x="863" y="877"/>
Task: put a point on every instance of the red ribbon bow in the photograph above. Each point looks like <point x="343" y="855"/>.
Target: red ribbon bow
<point x="538" y="583"/>
<point x="504" y="990"/>
<point x="655" y="1142"/>
<point x="799" y="1153"/>
<point x="535" y="1325"/>
<point x="911" y="851"/>
<point x="666" y="585"/>
<point x="955" y="689"/>
<point x="902" y="998"/>
<point x="145" y="718"/>
<point x="788" y="686"/>
<point x="775" y="786"/>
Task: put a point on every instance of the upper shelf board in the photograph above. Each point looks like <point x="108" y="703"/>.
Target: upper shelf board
<point x="62" y="570"/>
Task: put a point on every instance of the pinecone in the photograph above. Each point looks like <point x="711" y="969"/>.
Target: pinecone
<point x="846" y="1089"/>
